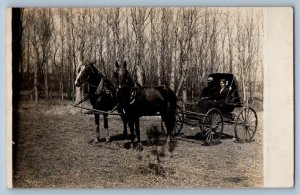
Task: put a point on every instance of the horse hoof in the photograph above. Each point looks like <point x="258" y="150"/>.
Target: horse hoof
<point x="125" y="135"/>
<point x="140" y="147"/>
<point x="94" y="141"/>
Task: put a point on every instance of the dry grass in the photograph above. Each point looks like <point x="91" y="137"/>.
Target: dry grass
<point x="53" y="151"/>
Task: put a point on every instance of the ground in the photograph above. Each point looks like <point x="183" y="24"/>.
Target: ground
<point x="53" y="150"/>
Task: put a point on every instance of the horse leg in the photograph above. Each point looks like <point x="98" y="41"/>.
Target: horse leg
<point x="137" y="131"/>
<point x="170" y="125"/>
<point x="169" y="121"/>
<point x="131" y="127"/>
<point x="124" y="126"/>
<point x="106" y="127"/>
<point x="97" y="136"/>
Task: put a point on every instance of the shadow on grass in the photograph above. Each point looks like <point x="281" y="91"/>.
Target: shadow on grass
<point x="199" y="136"/>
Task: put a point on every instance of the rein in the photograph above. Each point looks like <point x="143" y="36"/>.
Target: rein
<point x="83" y="100"/>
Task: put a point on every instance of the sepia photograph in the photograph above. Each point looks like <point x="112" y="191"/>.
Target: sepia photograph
<point x="142" y="97"/>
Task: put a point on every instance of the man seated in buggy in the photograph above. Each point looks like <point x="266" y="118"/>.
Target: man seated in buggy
<point x="223" y="99"/>
<point x="210" y="91"/>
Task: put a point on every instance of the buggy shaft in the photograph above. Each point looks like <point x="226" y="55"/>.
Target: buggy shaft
<point x="96" y="111"/>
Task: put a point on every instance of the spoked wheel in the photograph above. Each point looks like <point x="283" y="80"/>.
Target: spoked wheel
<point x="212" y="127"/>
<point x="245" y="125"/>
<point x="178" y="122"/>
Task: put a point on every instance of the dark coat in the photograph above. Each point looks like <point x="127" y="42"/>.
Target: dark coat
<point x="222" y="95"/>
<point x="209" y="92"/>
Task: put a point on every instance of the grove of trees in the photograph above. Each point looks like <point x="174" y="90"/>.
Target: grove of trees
<point x="177" y="47"/>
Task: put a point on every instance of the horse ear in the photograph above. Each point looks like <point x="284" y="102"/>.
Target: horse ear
<point x="117" y="64"/>
<point x="125" y="64"/>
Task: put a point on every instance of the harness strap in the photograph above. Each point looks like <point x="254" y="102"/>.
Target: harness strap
<point x="83" y="100"/>
<point x="99" y="88"/>
<point x="132" y="101"/>
<point x="132" y="96"/>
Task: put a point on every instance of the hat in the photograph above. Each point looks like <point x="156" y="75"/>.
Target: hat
<point x="89" y="61"/>
<point x="209" y="79"/>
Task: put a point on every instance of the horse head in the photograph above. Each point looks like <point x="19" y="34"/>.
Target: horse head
<point x="122" y="77"/>
<point x="85" y="73"/>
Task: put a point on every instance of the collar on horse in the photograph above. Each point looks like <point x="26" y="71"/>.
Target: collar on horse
<point x="133" y="95"/>
<point x="100" y="88"/>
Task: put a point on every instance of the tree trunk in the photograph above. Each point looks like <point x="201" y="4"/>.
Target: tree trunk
<point x="77" y="94"/>
<point x="61" y="87"/>
<point x="173" y="66"/>
<point x="158" y="74"/>
<point x="46" y="81"/>
<point x="77" y="90"/>
<point x="184" y="94"/>
<point x="28" y="75"/>
<point x="172" y="75"/>
<point x="36" y="92"/>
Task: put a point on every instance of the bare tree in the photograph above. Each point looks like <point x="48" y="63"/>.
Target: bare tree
<point x="186" y="33"/>
<point x="153" y="54"/>
<point x="174" y="57"/>
<point x="247" y="48"/>
<point x="230" y="42"/>
<point x="176" y="46"/>
<point x="41" y="35"/>
<point x="139" y="22"/>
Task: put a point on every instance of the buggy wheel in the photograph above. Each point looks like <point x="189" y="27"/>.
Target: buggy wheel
<point x="178" y="122"/>
<point x="212" y="127"/>
<point x="245" y="125"/>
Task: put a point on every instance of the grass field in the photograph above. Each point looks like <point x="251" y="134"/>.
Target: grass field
<point x="53" y="150"/>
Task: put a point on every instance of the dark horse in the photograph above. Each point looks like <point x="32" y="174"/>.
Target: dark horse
<point x="102" y="93"/>
<point x="142" y="101"/>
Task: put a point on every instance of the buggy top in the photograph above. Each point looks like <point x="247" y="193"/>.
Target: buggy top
<point x="233" y="97"/>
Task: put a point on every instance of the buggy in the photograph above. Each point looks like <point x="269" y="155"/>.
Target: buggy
<point x="211" y="117"/>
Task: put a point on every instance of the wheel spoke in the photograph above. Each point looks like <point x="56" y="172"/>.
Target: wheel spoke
<point x="207" y="138"/>
<point x="248" y="111"/>
<point x="217" y="118"/>
<point x="242" y="115"/>
<point x="245" y="134"/>
<point x="210" y="137"/>
<point x="212" y="118"/>
<point x="208" y="132"/>
<point x="217" y="121"/>
<point x="252" y="126"/>
<point x="214" y="123"/>
<point x="245" y="125"/>
<point x="252" y="130"/>
<point x="251" y="133"/>
<point x="242" y="121"/>
<point x="250" y="116"/>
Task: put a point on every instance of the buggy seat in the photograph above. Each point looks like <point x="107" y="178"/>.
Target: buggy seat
<point x="232" y="99"/>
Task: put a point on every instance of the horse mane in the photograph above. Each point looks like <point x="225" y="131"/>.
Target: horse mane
<point x="102" y="76"/>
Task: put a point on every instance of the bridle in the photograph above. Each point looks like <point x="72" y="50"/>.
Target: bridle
<point x="132" y="89"/>
<point x="86" y="79"/>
